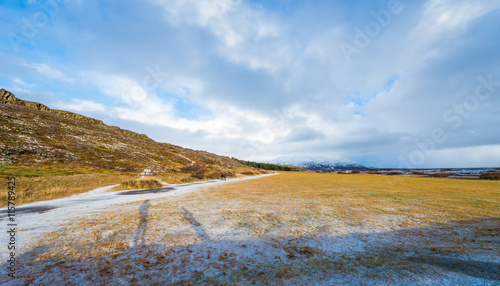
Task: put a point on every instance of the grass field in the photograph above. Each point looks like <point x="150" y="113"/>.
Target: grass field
<point x="292" y="228"/>
<point x="37" y="183"/>
<point x="48" y="182"/>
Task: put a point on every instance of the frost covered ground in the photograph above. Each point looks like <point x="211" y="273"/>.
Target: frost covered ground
<point x="310" y="229"/>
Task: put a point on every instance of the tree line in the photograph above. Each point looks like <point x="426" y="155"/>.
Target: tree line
<point x="267" y="166"/>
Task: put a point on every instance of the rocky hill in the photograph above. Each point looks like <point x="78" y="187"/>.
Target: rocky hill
<point x="33" y="134"/>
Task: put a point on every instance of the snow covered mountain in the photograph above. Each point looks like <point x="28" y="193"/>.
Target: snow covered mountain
<point x="317" y="162"/>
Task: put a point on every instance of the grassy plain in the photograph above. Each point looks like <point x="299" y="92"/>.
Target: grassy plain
<point x="36" y="183"/>
<point x="292" y="228"/>
<point x="357" y="199"/>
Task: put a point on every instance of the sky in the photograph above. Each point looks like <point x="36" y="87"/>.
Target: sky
<point x="409" y="84"/>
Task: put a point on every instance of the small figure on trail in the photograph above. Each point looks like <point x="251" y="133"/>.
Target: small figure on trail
<point x="223" y="177"/>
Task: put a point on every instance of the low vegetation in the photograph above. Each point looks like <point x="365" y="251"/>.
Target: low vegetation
<point x="140" y="184"/>
<point x="74" y="153"/>
<point x="32" y="134"/>
<point x="39" y="171"/>
<point x="36" y="183"/>
<point x="288" y="229"/>
<point x="46" y="183"/>
<point x="356" y="198"/>
<point x="490" y="176"/>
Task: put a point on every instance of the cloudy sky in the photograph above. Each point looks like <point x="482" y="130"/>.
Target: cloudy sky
<point x="385" y="83"/>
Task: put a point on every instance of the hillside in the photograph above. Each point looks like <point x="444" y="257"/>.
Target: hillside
<point x="32" y="134"/>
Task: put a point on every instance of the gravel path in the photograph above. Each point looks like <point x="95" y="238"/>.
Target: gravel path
<point x="38" y="218"/>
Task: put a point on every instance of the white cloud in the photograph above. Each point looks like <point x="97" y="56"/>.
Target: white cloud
<point x="20" y="84"/>
<point x="320" y="96"/>
<point x="140" y="105"/>
<point x="247" y="36"/>
<point x="124" y="90"/>
<point x="441" y="21"/>
<point x="79" y="105"/>
<point x="450" y="17"/>
<point x="50" y="72"/>
<point x="467" y="157"/>
<point x="195" y="12"/>
<point x="272" y="74"/>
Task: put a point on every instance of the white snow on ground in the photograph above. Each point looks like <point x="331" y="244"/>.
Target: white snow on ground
<point x="33" y="224"/>
<point x="198" y="239"/>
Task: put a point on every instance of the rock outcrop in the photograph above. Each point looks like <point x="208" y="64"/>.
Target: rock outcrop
<point x="9" y="99"/>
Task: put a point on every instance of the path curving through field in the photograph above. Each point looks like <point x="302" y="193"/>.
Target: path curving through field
<point x="36" y="219"/>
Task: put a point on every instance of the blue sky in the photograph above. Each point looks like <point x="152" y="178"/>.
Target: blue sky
<point x="386" y="83"/>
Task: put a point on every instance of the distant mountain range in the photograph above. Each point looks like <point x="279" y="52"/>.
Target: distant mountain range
<point x="318" y="163"/>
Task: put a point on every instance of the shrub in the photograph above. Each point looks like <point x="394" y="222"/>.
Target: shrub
<point x="197" y="170"/>
<point x="198" y="175"/>
<point x="490" y="176"/>
<point x="209" y="161"/>
<point x="194" y="168"/>
<point x="140" y="184"/>
<point x="439" y="175"/>
<point x="129" y="169"/>
<point x="214" y="175"/>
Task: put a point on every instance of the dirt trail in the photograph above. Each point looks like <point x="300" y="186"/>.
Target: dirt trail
<point x="38" y="218"/>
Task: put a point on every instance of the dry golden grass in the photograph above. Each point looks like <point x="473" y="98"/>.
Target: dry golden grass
<point x="357" y="199"/>
<point x="302" y="204"/>
<point x="36" y="183"/>
<point x="31" y="189"/>
<point x="176" y="178"/>
<point x="140" y="184"/>
<point x="287" y="220"/>
<point x="183" y="177"/>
